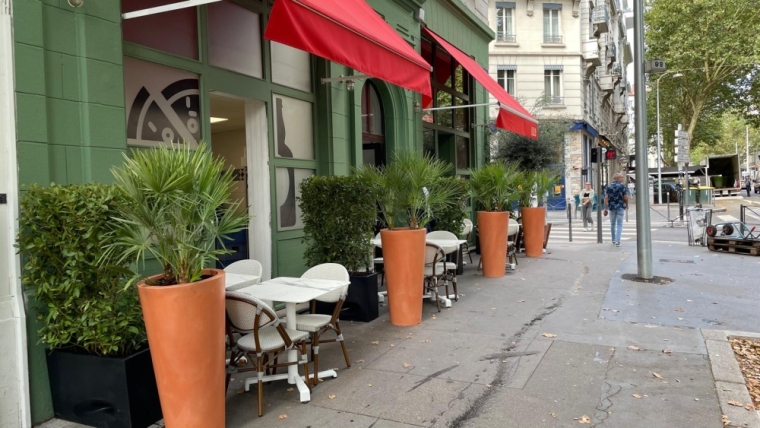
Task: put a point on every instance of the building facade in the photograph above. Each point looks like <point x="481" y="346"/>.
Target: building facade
<point x="84" y="86"/>
<point x="566" y="60"/>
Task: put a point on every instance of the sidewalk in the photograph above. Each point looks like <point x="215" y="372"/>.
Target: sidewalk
<point x="562" y="339"/>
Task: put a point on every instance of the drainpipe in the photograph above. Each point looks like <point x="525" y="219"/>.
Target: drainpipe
<point x="9" y="210"/>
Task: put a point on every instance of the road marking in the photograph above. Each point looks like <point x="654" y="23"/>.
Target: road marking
<point x="728" y="218"/>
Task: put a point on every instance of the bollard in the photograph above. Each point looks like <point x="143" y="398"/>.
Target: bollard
<point x="667" y="198"/>
<point x="570" y="222"/>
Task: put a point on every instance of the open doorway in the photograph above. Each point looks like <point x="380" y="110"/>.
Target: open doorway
<point x="239" y="136"/>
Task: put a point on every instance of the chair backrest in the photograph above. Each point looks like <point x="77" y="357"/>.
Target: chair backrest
<point x="467" y="229"/>
<point x="512" y="228"/>
<point x="378" y="236"/>
<point x="245" y="267"/>
<point x="434" y="255"/>
<point x="332" y="271"/>
<point x="242" y="309"/>
<point x="441" y="234"/>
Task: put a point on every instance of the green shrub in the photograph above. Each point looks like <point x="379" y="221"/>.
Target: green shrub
<point x="63" y="232"/>
<point x="338" y="216"/>
<point x="450" y="217"/>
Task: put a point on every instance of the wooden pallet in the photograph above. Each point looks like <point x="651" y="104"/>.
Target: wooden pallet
<point x="733" y="245"/>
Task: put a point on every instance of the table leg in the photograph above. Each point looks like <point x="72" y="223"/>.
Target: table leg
<point x="293" y="376"/>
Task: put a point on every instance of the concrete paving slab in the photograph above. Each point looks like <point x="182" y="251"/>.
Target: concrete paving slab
<point x="684" y="397"/>
<point x="567" y="383"/>
<point x="709" y="334"/>
<point x="464" y="357"/>
<point x="725" y="368"/>
<point x="418" y="400"/>
<point x="739" y="416"/>
<point x="523" y="362"/>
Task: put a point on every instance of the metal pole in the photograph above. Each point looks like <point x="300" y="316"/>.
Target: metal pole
<point x="569" y="222"/>
<point x="747" y="153"/>
<point x="667" y="198"/>
<point x="643" y="230"/>
<point x="599" y="196"/>
<point x="659" y="145"/>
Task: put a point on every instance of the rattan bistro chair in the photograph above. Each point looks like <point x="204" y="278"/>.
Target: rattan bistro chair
<point x="466" y="233"/>
<point x="267" y="340"/>
<point x="317" y="324"/>
<point x="450" y="272"/>
<point x="435" y="271"/>
<point x="246" y="267"/>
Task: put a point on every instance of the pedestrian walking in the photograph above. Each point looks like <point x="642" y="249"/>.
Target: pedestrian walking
<point x="587" y="206"/>
<point x="616" y="202"/>
<point x="748" y="185"/>
<point x="631" y="189"/>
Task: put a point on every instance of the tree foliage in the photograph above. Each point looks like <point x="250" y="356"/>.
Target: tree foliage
<point x="528" y="154"/>
<point x="714" y="44"/>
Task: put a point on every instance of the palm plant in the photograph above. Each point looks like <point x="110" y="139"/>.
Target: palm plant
<point x="525" y="184"/>
<point x="410" y="188"/>
<point x="494" y="185"/>
<point x="177" y="209"/>
<point x="544" y="182"/>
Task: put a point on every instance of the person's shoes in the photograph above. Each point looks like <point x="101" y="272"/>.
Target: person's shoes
<point x="586" y="229"/>
<point x="617" y="244"/>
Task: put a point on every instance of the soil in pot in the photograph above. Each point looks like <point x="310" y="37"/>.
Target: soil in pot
<point x="404" y="260"/>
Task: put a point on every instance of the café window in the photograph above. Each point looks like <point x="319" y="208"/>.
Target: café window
<point x="373" y="126"/>
<point x="174" y="32"/>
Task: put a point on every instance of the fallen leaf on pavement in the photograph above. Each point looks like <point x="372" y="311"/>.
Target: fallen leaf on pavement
<point x="657" y="375"/>
<point x="615" y="311"/>
<point x="688" y="300"/>
<point x="747" y="352"/>
<point x="521" y="301"/>
<point x="680" y="319"/>
<point x="679" y="309"/>
<point x="735" y="403"/>
<point x="359" y="361"/>
<point x="369" y="385"/>
<point x="392" y="345"/>
<point x="636" y="395"/>
<point x="749" y="407"/>
<point x="633" y="348"/>
<point x="407" y="365"/>
<point x="549" y="335"/>
<point x="377" y="342"/>
<point x="282" y="417"/>
<point x="552" y="414"/>
<point x="425" y="341"/>
<point x="667" y="351"/>
<point x="725" y="420"/>
<point x="289" y="390"/>
<point x="585" y="419"/>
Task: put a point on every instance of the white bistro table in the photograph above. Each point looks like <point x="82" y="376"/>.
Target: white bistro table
<point x="292" y="291"/>
<point x="236" y="281"/>
<point x="443" y="243"/>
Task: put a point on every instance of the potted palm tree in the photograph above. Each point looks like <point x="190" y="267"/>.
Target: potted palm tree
<point x="177" y="209"/>
<point x="493" y="186"/>
<point x="535" y="184"/>
<point x="409" y="193"/>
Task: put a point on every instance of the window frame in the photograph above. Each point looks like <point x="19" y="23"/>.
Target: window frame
<point x="553" y="93"/>
<point x="505" y="36"/>
<point x="370" y="139"/>
<point x="549" y="36"/>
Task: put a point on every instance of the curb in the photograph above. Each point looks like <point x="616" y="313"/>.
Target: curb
<point x="729" y="380"/>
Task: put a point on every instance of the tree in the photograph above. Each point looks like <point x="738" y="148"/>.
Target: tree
<point x="713" y="44"/>
<point x="533" y="155"/>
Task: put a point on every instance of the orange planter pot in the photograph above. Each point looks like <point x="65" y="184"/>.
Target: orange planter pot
<point x="533" y="222"/>
<point x="404" y="262"/>
<point x="492" y="230"/>
<point x="185" y="325"/>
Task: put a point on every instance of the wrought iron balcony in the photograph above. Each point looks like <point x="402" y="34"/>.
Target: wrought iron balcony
<point x="552" y="100"/>
<point x="591" y="52"/>
<point x="601" y="19"/>
<point x="553" y="40"/>
<point x="506" y="38"/>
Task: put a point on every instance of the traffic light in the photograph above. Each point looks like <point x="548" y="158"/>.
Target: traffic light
<point x="611" y="154"/>
<point x="594" y="155"/>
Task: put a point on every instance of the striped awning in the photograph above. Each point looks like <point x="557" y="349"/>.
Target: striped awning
<point x="506" y="67"/>
<point x="554" y="67"/>
<point x="506" y="4"/>
<point x="553" y="6"/>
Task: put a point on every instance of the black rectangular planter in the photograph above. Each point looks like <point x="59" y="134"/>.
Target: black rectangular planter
<point x="104" y="392"/>
<point x="361" y="303"/>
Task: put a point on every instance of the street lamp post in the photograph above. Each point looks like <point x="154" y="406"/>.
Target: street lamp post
<point x="659" y="138"/>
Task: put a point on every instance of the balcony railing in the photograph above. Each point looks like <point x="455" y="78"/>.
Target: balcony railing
<point x="601" y="19"/>
<point x="554" y="40"/>
<point x="506" y="38"/>
<point x="552" y="100"/>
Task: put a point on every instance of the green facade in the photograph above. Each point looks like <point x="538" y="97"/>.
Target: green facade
<point x="71" y="106"/>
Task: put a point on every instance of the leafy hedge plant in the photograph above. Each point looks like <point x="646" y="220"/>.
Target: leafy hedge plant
<point x="450" y="217"/>
<point x="338" y="217"/>
<point x="63" y="232"/>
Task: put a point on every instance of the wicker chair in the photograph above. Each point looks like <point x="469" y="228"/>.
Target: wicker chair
<point x="435" y="271"/>
<point x="267" y="340"/>
<point x="466" y="232"/>
<point x="450" y="273"/>
<point x="246" y="267"/>
<point x="316" y="324"/>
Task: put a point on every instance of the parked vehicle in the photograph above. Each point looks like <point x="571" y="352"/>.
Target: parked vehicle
<point x="724" y="173"/>
<point x="670" y="192"/>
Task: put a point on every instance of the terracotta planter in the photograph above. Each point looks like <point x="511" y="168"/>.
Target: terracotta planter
<point x="533" y="221"/>
<point x="185" y="325"/>
<point x="404" y="260"/>
<point x="492" y="227"/>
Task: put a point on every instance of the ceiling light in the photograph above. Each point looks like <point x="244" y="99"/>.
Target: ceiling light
<point x="218" y="119"/>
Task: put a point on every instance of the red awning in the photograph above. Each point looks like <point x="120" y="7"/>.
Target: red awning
<point x="349" y="32"/>
<point x="512" y="117"/>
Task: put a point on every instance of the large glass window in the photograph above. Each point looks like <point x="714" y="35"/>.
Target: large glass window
<point x="553" y="86"/>
<point x="506" y="79"/>
<point x="552" y="32"/>
<point x="234" y="38"/>
<point x="290" y="67"/>
<point x="505" y="27"/>
<point x="175" y="32"/>
<point x="293" y="128"/>
<point x="373" y="126"/>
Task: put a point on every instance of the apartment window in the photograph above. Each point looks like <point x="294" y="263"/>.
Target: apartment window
<point x="552" y="33"/>
<point x="506" y="78"/>
<point x="505" y="24"/>
<point x="553" y="85"/>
